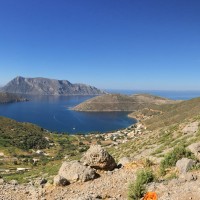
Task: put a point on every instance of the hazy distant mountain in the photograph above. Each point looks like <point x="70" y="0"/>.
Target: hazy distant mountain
<point x="44" y="86"/>
<point x="9" y="98"/>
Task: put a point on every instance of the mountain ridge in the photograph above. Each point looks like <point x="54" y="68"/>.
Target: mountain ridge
<point x="45" y="86"/>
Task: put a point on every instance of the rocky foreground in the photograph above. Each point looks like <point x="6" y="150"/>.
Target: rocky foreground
<point x="97" y="176"/>
<point x="109" y="186"/>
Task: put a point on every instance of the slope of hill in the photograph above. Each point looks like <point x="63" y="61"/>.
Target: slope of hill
<point x="21" y="135"/>
<point x="44" y="86"/>
<point x="173" y="113"/>
<point x="9" y="98"/>
<point x="148" y="98"/>
<point x="117" y="102"/>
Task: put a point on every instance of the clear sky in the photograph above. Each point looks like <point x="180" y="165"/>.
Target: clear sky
<point x="115" y="44"/>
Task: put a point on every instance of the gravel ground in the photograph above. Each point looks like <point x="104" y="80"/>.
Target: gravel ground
<point x="110" y="185"/>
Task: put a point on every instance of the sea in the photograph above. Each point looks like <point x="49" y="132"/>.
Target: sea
<point x="54" y="112"/>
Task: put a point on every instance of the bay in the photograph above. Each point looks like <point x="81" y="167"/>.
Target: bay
<point x="54" y="114"/>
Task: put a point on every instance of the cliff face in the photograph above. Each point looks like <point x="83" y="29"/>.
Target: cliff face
<point x="44" y="86"/>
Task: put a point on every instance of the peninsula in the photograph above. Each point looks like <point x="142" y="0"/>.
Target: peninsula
<point x="119" y="102"/>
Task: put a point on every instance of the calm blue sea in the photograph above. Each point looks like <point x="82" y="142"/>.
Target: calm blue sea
<point x="53" y="112"/>
<point x="175" y="95"/>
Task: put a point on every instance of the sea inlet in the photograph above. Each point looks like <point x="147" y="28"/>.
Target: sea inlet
<point x="54" y="114"/>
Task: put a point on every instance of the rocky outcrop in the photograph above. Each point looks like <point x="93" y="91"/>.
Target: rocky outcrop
<point x="184" y="165"/>
<point x="191" y="128"/>
<point x="74" y="171"/>
<point x="44" y="86"/>
<point x="98" y="158"/>
<point x="195" y="149"/>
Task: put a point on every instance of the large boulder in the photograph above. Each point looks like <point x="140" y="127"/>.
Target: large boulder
<point x="184" y="165"/>
<point x="98" y="158"/>
<point x="195" y="149"/>
<point x="74" y="171"/>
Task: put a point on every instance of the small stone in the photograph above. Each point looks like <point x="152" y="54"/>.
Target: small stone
<point x="13" y="182"/>
<point x="184" y="165"/>
<point x="190" y="177"/>
<point x="43" y="181"/>
<point x="60" y="181"/>
<point x="2" y="181"/>
<point x="123" y="161"/>
<point x="116" y="170"/>
<point x="195" y="149"/>
<point x="109" y="173"/>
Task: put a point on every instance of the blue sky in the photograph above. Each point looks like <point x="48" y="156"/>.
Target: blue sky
<point x="115" y="44"/>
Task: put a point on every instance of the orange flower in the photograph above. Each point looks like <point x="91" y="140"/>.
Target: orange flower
<point x="150" y="196"/>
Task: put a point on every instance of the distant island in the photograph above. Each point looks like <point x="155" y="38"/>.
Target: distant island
<point x="118" y="102"/>
<point x="10" y="98"/>
<point x="45" y="86"/>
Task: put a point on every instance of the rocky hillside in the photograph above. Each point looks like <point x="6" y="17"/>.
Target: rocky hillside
<point x="118" y="102"/>
<point x="167" y="114"/>
<point x="133" y="163"/>
<point x="9" y="98"/>
<point x="152" y="99"/>
<point x="44" y="86"/>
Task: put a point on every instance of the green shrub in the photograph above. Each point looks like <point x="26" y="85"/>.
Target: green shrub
<point x="21" y="135"/>
<point x="172" y="157"/>
<point x="137" y="189"/>
<point x="148" y="162"/>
